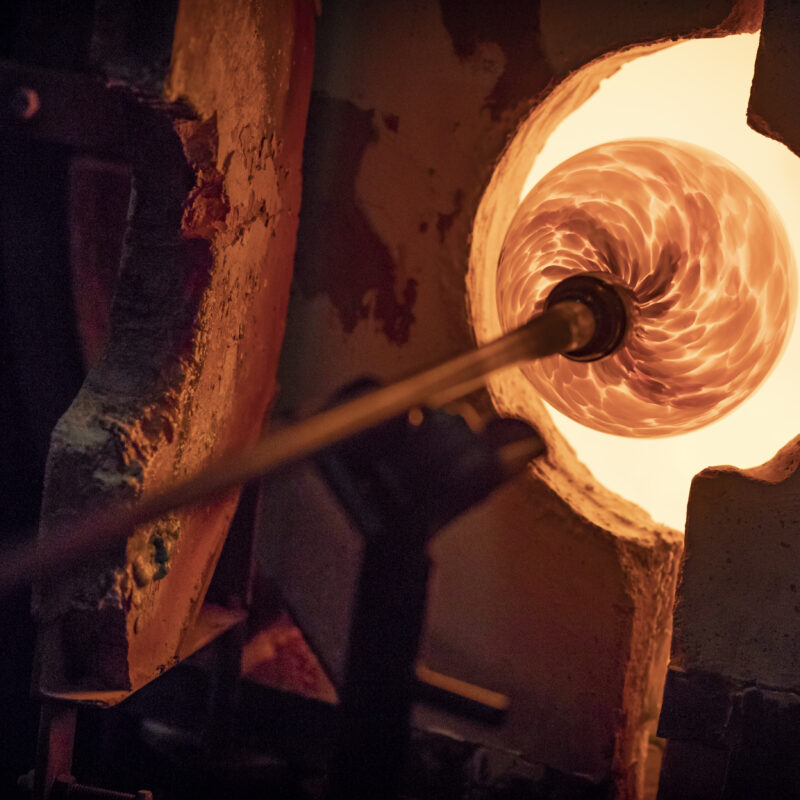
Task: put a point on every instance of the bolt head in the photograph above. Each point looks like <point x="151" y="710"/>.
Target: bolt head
<point x="24" y="103"/>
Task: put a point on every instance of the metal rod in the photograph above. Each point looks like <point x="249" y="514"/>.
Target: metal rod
<point x="563" y="327"/>
<point x="57" y="722"/>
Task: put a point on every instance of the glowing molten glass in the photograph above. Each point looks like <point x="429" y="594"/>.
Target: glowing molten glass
<point x="702" y="259"/>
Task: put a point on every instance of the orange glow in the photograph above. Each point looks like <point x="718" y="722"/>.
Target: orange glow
<point x="699" y="252"/>
<point x="693" y="91"/>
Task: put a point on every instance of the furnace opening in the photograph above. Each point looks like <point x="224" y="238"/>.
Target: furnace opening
<point x="694" y="92"/>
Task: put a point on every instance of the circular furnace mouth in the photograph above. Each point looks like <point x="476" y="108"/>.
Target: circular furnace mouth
<point x="656" y="182"/>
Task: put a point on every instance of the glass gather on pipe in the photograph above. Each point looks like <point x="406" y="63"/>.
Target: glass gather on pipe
<point x="698" y="254"/>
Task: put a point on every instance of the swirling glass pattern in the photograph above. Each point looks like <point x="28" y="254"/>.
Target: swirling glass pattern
<point x="701" y="258"/>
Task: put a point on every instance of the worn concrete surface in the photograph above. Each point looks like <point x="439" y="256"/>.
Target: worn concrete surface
<point x="738" y="614"/>
<point x="195" y="331"/>
<point x="775" y="94"/>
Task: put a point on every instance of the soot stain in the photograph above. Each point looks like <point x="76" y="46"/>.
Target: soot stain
<point x="338" y="252"/>
<point x="391" y="121"/>
<point x="516" y="31"/>
<point x="445" y="221"/>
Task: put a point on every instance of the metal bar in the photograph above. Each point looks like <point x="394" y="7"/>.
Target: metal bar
<point x="378" y="693"/>
<point x="67" y="788"/>
<point x="57" y="723"/>
<point x="564" y="327"/>
<point x="460" y="697"/>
